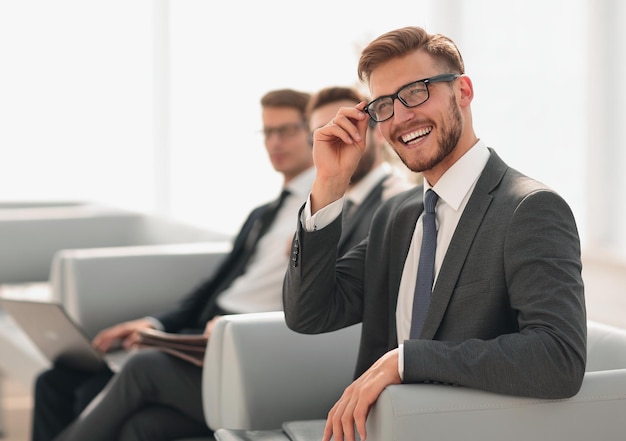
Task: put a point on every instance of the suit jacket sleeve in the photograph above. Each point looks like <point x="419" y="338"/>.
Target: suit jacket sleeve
<point x="316" y="295"/>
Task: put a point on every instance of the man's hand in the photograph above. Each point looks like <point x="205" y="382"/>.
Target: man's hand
<point x="356" y="401"/>
<point x="208" y="328"/>
<point x="127" y="332"/>
<point x="337" y="149"/>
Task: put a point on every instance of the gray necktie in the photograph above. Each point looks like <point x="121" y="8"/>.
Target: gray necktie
<point x="426" y="266"/>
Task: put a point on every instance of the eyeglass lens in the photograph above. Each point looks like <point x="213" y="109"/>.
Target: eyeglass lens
<point x="284" y="131"/>
<point x="411" y="95"/>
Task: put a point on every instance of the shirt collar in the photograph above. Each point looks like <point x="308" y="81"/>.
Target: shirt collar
<point x="300" y="186"/>
<point x="459" y="179"/>
<point x="359" y="192"/>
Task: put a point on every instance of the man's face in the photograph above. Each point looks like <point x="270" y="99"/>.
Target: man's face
<point x="287" y="140"/>
<point x="322" y="116"/>
<point x="422" y="136"/>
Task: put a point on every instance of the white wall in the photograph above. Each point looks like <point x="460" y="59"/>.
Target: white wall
<point x="75" y="101"/>
<point x="154" y="104"/>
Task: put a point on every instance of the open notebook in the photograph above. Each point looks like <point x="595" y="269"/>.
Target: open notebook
<point x="57" y="336"/>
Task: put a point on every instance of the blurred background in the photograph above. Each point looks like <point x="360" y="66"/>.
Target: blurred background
<point x="153" y="105"/>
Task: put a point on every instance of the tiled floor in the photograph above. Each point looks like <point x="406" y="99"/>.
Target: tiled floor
<point x="16" y="405"/>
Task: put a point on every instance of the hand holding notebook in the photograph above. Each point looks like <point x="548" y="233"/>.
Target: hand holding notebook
<point x="189" y="347"/>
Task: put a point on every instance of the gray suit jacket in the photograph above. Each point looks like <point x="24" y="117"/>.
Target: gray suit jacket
<point x="507" y="312"/>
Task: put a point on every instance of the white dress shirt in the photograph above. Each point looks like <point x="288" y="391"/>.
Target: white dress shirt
<point x="259" y="288"/>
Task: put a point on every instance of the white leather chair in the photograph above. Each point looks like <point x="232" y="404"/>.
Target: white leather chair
<point x="100" y="287"/>
<point x="264" y="393"/>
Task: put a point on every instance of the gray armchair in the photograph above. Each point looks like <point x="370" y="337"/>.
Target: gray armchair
<point x="262" y="389"/>
<point x="91" y="257"/>
<point x="100" y="287"/>
<point x="33" y="232"/>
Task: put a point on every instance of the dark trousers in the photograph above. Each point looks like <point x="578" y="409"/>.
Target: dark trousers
<point x="61" y="393"/>
<point x="154" y="397"/>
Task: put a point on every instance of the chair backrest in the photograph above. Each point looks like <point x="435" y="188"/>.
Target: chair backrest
<point x="93" y="283"/>
<point x="606" y="347"/>
<point x="30" y="237"/>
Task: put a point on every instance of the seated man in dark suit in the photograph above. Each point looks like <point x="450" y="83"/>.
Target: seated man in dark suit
<point x="166" y="400"/>
<point x="473" y="279"/>
<point x="249" y="279"/>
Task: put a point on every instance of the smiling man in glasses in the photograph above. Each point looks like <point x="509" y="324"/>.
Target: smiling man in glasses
<point x="473" y="279"/>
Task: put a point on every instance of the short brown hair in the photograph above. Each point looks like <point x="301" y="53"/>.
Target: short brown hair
<point x="403" y="41"/>
<point x="332" y="95"/>
<point x="287" y="98"/>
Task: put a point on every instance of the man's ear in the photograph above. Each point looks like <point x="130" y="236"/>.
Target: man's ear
<point x="467" y="90"/>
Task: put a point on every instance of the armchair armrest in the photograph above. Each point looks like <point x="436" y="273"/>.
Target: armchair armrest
<point x="258" y="373"/>
<point x="450" y="413"/>
<point x="446" y="413"/>
<point x="100" y="287"/>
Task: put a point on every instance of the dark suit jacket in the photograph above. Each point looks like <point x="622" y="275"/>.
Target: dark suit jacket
<point x="200" y="306"/>
<point x="507" y="311"/>
<point x="197" y="308"/>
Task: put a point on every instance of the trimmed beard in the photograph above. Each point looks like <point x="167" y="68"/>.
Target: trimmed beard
<point x="447" y="142"/>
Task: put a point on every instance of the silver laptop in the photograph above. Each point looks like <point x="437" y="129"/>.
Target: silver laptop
<point x="58" y="337"/>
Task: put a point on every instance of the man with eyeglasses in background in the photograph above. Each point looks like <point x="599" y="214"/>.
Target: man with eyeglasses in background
<point x="156" y="396"/>
<point x="473" y="279"/>
<point x="373" y="181"/>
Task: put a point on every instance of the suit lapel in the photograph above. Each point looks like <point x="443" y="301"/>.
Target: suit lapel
<point x="459" y="247"/>
<point x="364" y="209"/>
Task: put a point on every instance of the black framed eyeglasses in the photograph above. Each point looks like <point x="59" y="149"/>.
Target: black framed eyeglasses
<point x="411" y="95"/>
<point x="284" y="131"/>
